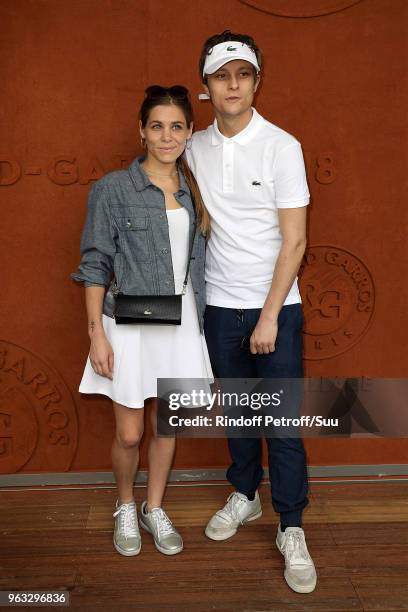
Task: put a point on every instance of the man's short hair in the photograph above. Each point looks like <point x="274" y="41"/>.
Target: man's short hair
<point x="224" y="37"/>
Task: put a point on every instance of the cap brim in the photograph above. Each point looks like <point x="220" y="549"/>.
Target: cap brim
<point x="222" y="61"/>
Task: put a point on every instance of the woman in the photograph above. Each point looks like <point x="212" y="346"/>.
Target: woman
<point x="139" y="229"/>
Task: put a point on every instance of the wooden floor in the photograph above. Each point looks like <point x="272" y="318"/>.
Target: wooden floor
<point x="357" y="535"/>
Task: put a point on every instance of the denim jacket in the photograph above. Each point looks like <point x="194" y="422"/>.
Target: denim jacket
<point x="126" y="238"/>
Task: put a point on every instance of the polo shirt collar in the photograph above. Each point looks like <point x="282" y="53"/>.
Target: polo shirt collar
<point x="243" y="137"/>
<point x="142" y="181"/>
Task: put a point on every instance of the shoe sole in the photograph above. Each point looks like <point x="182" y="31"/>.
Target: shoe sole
<point x="126" y="553"/>
<point x="291" y="584"/>
<point x="220" y="537"/>
<point x="159" y="548"/>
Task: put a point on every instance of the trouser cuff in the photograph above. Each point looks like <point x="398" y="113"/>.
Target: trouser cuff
<point x="291" y="519"/>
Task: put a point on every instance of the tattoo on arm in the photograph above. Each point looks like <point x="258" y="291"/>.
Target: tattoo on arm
<point x="92" y="325"/>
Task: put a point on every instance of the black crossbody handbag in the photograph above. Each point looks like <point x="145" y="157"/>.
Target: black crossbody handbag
<point x="153" y="309"/>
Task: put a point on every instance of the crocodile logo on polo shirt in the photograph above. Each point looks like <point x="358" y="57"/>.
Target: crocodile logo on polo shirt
<point x="256" y="183"/>
<point x="231" y="48"/>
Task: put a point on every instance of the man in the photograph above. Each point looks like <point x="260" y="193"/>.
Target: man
<point x="252" y="178"/>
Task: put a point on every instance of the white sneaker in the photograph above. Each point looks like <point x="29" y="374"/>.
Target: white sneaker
<point x="166" y="537"/>
<point x="126" y="535"/>
<point x="237" y="511"/>
<point x="300" y="572"/>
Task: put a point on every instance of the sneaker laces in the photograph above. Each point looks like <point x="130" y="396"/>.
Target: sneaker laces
<point x="164" y="524"/>
<point x="235" y="501"/>
<point x="295" y="548"/>
<point x="127" y="519"/>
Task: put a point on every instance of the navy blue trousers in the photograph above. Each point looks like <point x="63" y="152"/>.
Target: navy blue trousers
<point x="225" y="329"/>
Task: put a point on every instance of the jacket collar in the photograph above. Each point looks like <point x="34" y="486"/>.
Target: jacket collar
<point x="142" y="181"/>
<point x="243" y="137"/>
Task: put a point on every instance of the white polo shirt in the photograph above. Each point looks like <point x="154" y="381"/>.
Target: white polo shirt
<point x="243" y="181"/>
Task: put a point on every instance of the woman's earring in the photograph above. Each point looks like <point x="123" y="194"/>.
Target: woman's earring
<point x="188" y="143"/>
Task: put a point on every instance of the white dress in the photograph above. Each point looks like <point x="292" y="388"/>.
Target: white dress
<point x="144" y="353"/>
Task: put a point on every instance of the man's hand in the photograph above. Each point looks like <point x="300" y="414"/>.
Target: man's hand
<point x="263" y="337"/>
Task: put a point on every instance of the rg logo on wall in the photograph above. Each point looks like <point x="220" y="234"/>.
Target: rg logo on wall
<point x="338" y="301"/>
<point x="38" y="420"/>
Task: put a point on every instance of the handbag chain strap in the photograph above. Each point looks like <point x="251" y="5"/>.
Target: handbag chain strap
<point x="194" y="230"/>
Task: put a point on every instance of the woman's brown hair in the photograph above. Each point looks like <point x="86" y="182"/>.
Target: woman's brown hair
<point x="156" y="95"/>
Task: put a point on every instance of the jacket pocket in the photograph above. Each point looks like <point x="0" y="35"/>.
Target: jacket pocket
<point x="133" y="236"/>
<point x="131" y="223"/>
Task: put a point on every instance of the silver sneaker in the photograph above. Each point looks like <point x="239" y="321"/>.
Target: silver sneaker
<point x="237" y="511"/>
<point x="166" y="538"/>
<point x="300" y="572"/>
<point x="126" y="535"/>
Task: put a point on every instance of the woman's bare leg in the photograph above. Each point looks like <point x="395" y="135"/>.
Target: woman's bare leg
<point x="161" y="452"/>
<point x="125" y="448"/>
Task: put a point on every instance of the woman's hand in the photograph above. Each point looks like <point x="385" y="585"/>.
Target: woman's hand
<point x="101" y="355"/>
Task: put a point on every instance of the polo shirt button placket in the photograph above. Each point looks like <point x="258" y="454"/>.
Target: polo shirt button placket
<point x="228" y="166"/>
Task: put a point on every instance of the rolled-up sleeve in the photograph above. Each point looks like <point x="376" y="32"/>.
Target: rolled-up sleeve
<point x="290" y="178"/>
<point x="97" y="246"/>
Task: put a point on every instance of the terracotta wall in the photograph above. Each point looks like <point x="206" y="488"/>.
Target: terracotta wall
<point x="73" y="75"/>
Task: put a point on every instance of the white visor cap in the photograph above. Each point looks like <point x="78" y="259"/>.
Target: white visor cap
<point x="226" y="52"/>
